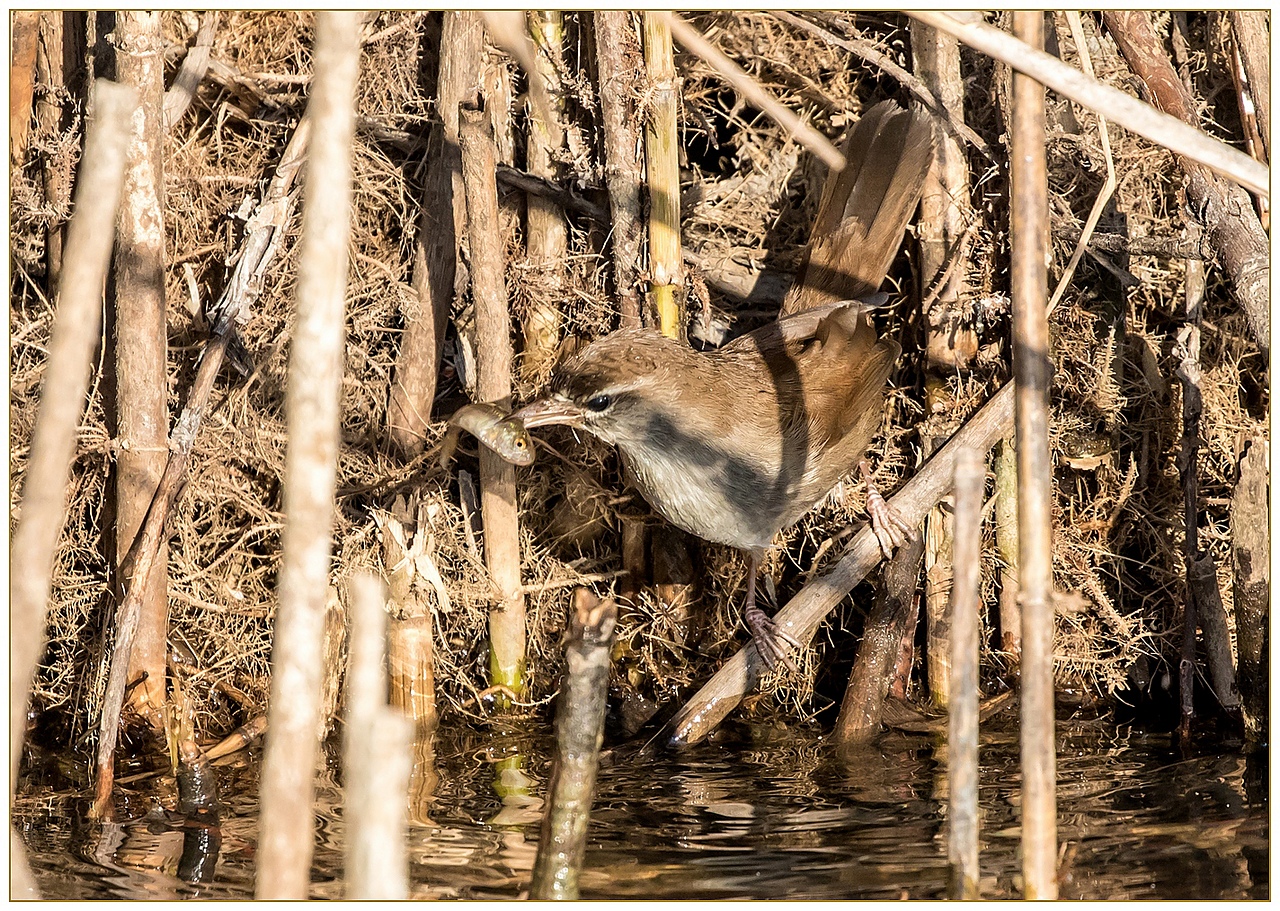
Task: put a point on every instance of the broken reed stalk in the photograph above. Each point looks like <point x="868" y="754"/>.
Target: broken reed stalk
<point x="620" y="63"/>
<point x="802" y="614"/>
<point x="493" y="384"/>
<point x="862" y="709"/>
<point x="76" y="328"/>
<point x="939" y="573"/>
<point x="547" y="233"/>
<point x="1212" y="615"/>
<point x="312" y="411"/>
<point x="1251" y="591"/>
<point x="579" y="733"/>
<point x="962" y="721"/>
<point x="192" y="72"/>
<point x="1234" y="231"/>
<point x="441" y="224"/>
<point x="1115" y="105"/>
<point x="1029" y="288"/>
<point x="140" y="340"/>
<point x="376" y="757"/>
<point x="410" y="657"/>
<point x="662" y="160"/>
<point x="143" y="565"/>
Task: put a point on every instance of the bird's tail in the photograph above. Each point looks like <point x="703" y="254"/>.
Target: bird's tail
<point x="865" y="207"/>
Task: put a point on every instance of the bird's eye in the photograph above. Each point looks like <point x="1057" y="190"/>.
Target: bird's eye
<point x="599" y="403"/>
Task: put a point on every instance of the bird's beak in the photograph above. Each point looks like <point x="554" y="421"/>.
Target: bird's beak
<point x="548" y="411"/>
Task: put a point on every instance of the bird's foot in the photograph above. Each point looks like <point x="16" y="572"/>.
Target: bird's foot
<point x="886" y="524"/>
<point x="771" y="643"/>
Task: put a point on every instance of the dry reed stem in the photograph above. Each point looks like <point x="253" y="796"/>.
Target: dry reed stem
<point x="1112" y="103"/>
<point x="546" y="232"/>
<point x="53" y="442"/>
<point x="140" y="347"/>
<point x="315" y="373"/>
<point x="441" y="223"/>
<point x="1029" y="229"/>
<point x="621" y="65"/>
<point x="802" y="614"/>
<point x="376" y="755"/>
<point x="507" y="632"/>
<point x="962" y="721"/>
<point x="662" y="167"/>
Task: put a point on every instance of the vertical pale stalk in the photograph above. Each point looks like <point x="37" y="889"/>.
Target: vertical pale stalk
<point x="493" y="384"/>
<point x="547" y="233"/>
<point x="376" y="756"/>
<point x="76" y="328"/>
<point x="962" y="721"/>
<point x="441" y="223"/>
<point x="312" y="408"/>
<point x="1032" y="371"/>
<point x="1006" y="471"/>
<point x="1251" y="592"/>
<point x="141" y="340"/>
<point x="662" y="160"/>
<point x="944" y="211"/>
<point x="620" y="63"/>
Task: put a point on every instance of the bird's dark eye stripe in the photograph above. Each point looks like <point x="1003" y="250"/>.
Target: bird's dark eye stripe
<point x="599" y="402"/>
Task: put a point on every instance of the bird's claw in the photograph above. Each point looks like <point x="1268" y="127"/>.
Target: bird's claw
<point x="888" y="527"/>
<point x="771" y="642"/>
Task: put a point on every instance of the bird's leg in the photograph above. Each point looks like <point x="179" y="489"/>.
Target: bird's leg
<point x="886" y="524"/>
<point x="771" y="642"/>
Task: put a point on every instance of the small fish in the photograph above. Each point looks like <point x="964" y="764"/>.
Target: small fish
<point x="492" y="427"/>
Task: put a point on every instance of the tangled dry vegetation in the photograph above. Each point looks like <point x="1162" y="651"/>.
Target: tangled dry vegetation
<point x="750" y="193"/>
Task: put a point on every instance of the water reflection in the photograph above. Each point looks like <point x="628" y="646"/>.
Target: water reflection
<point x="764" y="813"/>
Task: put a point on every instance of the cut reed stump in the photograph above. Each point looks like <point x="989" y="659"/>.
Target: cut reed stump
<point x="376" y="756"/>
<point x="862" y="710"/>
<point x="77" y="322"/>
<point x="1029" y="290"/>
<point x="579" y="732"/>
<point x="1251" y="565"/>
<point x="140" y="342"/>
<point x="312" y="409"/>
<point x="494" y="357"/>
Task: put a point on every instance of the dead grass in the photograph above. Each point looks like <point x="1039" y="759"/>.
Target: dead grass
<point x="750" y="192"/>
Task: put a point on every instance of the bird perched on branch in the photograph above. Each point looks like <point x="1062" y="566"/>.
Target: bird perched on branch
<point x="735" y="444"/>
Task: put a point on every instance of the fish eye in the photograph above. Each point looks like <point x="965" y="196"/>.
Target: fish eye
<point x="598" y="403"/>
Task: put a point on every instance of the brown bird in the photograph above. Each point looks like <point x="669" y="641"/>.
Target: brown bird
<point x="737" y="443"/>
